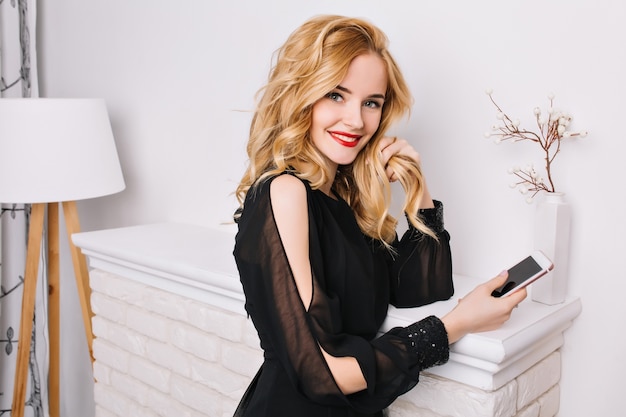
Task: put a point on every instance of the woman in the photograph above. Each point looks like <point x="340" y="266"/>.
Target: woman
<point x="317" y="250"/>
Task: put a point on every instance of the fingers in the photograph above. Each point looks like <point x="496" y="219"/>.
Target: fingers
<point x="391" y="174"/>
<point x="387" y="141"/>
<point x="498" y="280"/>
<point x="392" y="145"/>
<point x="387" y="148"/>
<point x="517" y="297"/>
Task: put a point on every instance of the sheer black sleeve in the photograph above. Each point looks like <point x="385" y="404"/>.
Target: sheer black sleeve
<point x="390" y="363"/>
<point x="422" y="271"/>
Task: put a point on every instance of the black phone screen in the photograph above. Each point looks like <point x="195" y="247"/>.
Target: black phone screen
<point x="518" y="274"/>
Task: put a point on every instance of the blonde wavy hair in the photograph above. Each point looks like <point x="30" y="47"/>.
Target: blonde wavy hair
<point x="312" y="62"/>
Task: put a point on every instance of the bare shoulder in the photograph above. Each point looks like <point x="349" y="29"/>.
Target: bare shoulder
<point x="288" y="183"/>
<point x="288" y="192"/>
<point x="289" y="205"/>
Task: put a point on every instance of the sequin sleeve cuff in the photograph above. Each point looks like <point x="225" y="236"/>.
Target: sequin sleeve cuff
<point x="427" y="339"/>
<point x="432" y="217"/>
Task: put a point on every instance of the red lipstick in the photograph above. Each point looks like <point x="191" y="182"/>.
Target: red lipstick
<point x="348" y="140"/>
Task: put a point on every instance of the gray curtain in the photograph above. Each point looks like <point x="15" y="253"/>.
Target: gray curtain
<point x="18" y="71"/>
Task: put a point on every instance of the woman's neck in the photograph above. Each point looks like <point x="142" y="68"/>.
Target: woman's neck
<point x="326" y="188"/>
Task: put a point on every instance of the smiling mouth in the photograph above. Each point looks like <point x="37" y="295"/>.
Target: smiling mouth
<point x="345" y="139"/>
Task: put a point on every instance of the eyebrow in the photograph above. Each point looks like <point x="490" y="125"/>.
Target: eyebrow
<point x="342" y="88"/>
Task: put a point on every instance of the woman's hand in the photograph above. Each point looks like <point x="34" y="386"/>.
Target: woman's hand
<point x="392" y="145"/>
<point x="479" y="311"/>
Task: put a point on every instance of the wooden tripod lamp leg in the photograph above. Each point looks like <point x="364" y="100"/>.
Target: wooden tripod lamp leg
<point x="54" y="311"/>
<point x="29" y="296"/>
<point x="28" y="308"/>
<point x="80" y="269"/>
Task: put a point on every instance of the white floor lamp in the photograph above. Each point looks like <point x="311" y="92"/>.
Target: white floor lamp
<point x="54" y="151"/>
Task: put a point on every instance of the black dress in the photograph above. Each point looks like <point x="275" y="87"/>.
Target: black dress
<point x="354" y="280"/>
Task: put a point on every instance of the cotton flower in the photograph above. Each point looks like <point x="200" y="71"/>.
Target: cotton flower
<point x="551" y="130"/>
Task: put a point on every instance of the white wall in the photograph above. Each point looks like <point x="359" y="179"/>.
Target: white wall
<point x="179" y="79"/>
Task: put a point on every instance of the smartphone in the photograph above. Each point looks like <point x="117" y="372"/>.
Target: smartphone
<point x="524" y="273"/>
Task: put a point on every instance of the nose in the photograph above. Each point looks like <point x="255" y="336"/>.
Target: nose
<point x="352" y="116"/>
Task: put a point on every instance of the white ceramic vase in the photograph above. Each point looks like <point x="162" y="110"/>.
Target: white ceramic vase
<point x="552" y="234"/>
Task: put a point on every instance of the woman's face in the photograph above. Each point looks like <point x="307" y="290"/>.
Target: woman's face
<point x="348" y="116"/>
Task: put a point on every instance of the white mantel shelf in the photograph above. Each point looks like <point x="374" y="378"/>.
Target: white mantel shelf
<point x="197" y="262"/>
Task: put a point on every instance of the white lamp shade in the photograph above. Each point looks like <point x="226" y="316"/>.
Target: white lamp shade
<point x="54" y="150"/>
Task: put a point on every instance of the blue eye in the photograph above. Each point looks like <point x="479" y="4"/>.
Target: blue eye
<point x="372" y="104"/>
<point x="334" y="96"/>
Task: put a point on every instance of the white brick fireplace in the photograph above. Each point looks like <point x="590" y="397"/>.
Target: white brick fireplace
<point x="172" y="337"/>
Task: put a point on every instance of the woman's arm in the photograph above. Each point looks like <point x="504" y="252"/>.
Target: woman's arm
<point x="289" y="205"/>
<point x="478" y="311"/>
